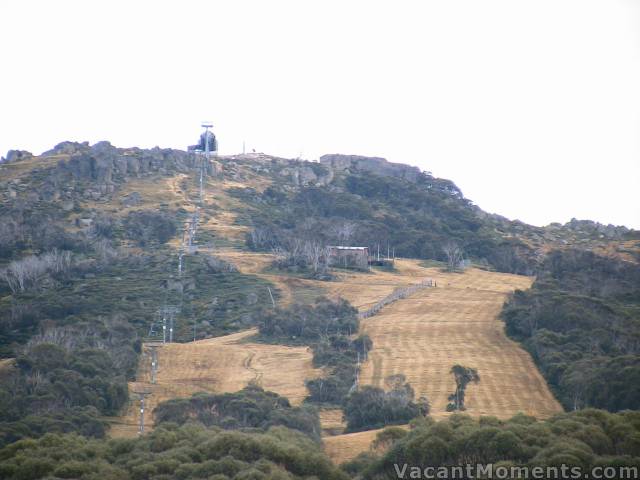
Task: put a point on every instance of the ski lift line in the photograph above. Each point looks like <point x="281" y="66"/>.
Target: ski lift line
<point x="168" y="313"/>
<point x="188" y="239"/>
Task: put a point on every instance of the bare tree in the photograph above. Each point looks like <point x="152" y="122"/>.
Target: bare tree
<point x="22" y="274"/>
<point x="12" y="281"/>
<point x="261" y="237"/>
<point x="313" y="252"/>
<point x="281" y="255"/>
<point x="454" y="256"/>
<point x="343" y="231"/>
<point x="105" y="251"/>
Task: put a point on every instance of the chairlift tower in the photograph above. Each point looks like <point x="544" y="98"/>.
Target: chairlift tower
<point x="154" y="362"/>
<point x="167" y="315"/>
<point x="142" y="395"/>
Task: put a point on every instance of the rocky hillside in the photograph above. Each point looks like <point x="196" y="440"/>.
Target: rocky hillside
<point x="89" y="242"/>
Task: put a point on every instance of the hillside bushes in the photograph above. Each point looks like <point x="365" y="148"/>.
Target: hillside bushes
<point x="311" y="322"/>
<point x="581" y="323"/>
<point x="416" y="218"/>
<point x="169" y="452"/>
<point x="26" y="229"/>
<point x="251" y="407"/>
<point x="327" y="328"/>
<point x="581" y="439"/>
<point x="29" y="272"/>
<point x="370" y="407"/>
<point x="66" y="378"/>
<point x="149" y="226"/>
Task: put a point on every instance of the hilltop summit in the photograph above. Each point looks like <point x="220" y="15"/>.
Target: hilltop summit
<point x="377" y="165"/>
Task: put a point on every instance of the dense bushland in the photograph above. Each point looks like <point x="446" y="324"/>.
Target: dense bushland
<point x="417" y="218"/>
<point x="369" y="407"/>
<point x="220" y="299"/>
<point x="171" y="452"/>
<point x="148" y="227"/>
<point x="67" y="378"/>
<point x="24" y="228"/>
<point x="250" y="408"/>
<point x="83" y="326"/>
<point x="584" y="439"/>
<point x="74" y="306"/>
<point x="581" y="323"/>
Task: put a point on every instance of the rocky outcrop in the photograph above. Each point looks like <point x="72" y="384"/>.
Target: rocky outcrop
<point x="98" y="169"/>
<point x="83" y="171"/>
<point x="590" y="227"/>
<point x="67" y="148"/>
<point x="16" y="156"/>
<point x="308" y="173"/>
<point x="105" y="163"/>
<point x="377" y="165"/>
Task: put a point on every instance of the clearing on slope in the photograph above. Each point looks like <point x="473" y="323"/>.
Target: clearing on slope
<point x="221" y="364"/>
<point x="458" y="322"/>
<point x="424" y="335"/>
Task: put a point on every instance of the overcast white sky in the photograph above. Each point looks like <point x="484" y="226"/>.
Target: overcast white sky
<point x="531" y="107"/>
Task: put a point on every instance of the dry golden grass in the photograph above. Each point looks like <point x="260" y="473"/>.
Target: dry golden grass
<point x="627" y="250"/>
<point x="423" y="336"/>
<point x="222" y="222"/>
<point x="342" y="448"/>
<point x="217" y="365"/>
<point x="331" y="421"/>
<point x="364" y="289"/>
<point x="10" y="171"/>
<point x="254" y="263"/>
<point x="155" y="190"/>
<point x="6" y="365"/>
<point x="151" y="196"/>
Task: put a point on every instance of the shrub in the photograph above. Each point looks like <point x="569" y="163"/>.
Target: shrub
<point x="148" y="226"/>
<point x="251" y="407"/>
<point x="370" y="407"/>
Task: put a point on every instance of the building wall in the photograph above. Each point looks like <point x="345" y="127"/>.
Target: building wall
<point x="349" y="258"/>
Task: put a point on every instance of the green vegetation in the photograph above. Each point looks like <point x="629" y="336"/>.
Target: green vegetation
<point x="463" y="376"/>
<point x="327" y="327"/>
<point x="217" y="298"/>
<point x="417" y="218"/>
<point x="584" y="439"/>
<point x="148" y="227"/>
<point x="581" y="323"/>
<point x="28" y="228"/>
<point x="76" y="305"/>
<point x="67" y="378"/>
<point x="77" y="335"/>
<point x="79" y="288"/>
<point x="171" y="452"/>
<point x="370" y="407"/>
<point x="250" y="408"/>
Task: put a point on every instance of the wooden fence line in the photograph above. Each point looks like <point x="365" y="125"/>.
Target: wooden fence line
<point x="397" y="294"/>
